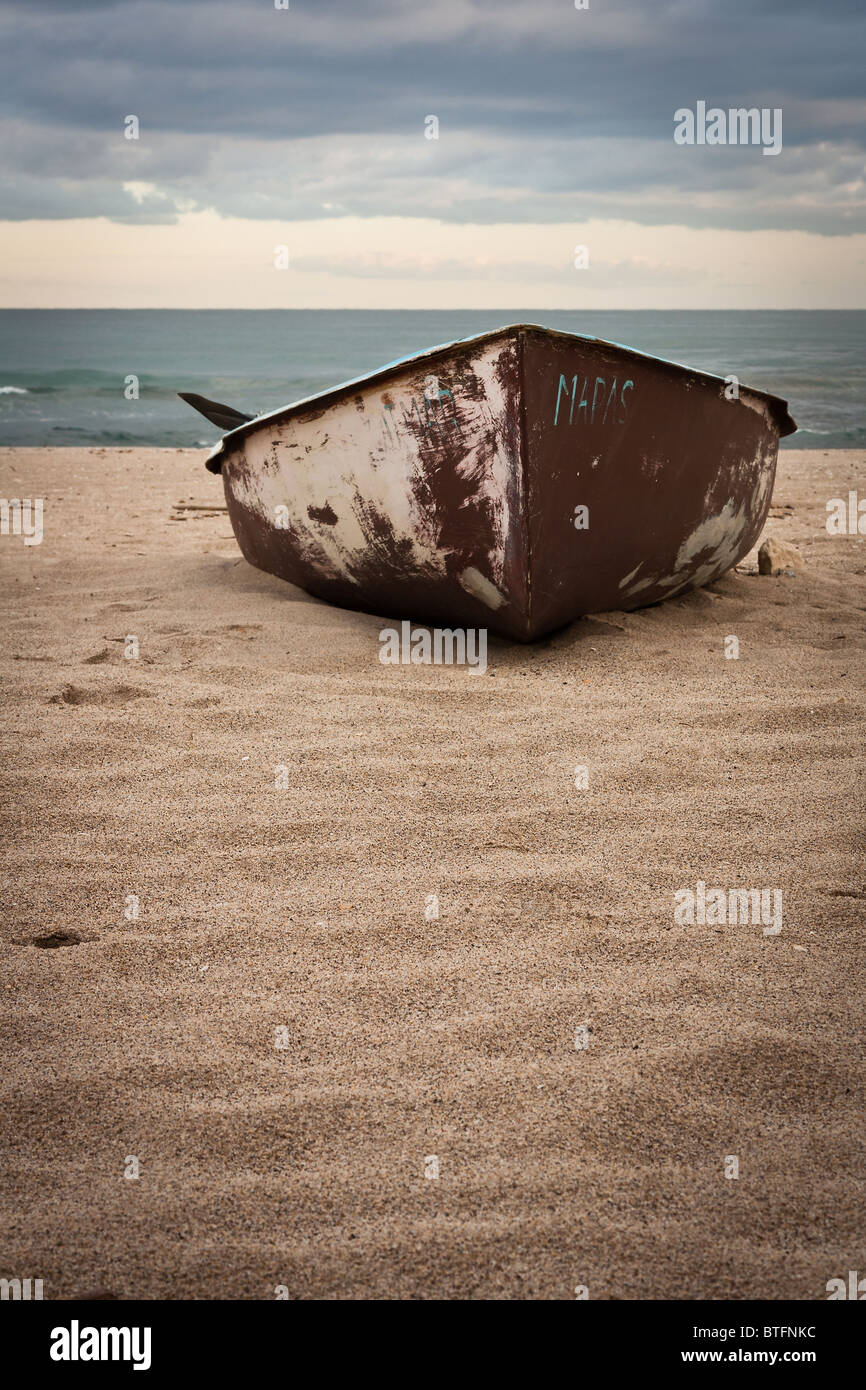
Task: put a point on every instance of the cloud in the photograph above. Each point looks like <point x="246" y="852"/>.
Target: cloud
<point x="546" y="113"/>
<point x="461" y="178"/>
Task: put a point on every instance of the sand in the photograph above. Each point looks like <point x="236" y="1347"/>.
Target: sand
<point x="284" y="1041"/>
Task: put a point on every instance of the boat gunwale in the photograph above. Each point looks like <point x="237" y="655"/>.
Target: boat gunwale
<point x="331" y="393"/>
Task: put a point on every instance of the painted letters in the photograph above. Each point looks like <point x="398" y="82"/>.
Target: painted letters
<point x="596" y="404"/>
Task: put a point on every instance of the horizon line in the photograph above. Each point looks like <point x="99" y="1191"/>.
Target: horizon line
<point x="423" y="309"/>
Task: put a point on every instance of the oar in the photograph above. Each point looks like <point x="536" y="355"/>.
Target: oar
<point x="223" y="416"/>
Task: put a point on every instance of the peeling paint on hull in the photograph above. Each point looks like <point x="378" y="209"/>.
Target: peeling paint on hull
<point x="515" y="481"/>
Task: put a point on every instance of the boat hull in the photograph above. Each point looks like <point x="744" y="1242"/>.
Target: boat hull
<point x="513" y="482"/>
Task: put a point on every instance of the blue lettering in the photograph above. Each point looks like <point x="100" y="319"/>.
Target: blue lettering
<point x="627" y="386"/>
<point x="559" y="389"/>
<point x="590" y="403"/>
<point x="599" y="381"/>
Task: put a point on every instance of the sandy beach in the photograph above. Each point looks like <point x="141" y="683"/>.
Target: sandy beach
<point x="240" y="984"/>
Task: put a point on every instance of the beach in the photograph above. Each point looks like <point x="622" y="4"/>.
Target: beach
<point x="309" y="923"/>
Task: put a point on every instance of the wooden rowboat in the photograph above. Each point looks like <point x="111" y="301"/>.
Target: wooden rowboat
<point x="513" y="481"/>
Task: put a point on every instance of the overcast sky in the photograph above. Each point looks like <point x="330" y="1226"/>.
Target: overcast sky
<point x="305" y="127"/>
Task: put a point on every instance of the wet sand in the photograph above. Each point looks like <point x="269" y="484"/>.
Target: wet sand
<point x="283" y="1039"/>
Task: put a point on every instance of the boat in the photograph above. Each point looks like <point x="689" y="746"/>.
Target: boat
<point x="514" y="481"/>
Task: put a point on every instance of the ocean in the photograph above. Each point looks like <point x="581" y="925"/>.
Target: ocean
<point x="63" y="371"/>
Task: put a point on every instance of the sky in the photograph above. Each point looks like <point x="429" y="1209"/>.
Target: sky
<point x="284" y="155"/>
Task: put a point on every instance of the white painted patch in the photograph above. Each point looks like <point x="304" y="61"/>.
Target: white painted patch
<point x="364" y="463"/>
<point x="755" y="403"/>
<point x="640" y="586"/>
<point x="629" y="577"/>
<point x="474" y="582"/>
<point x="712" y="534"/>
<point x="719" y="538"/>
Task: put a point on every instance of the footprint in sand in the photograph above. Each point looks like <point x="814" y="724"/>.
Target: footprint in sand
<point x="114" y="695"/>
<point x="123" y="607"/>
<point x="54" y="940"/>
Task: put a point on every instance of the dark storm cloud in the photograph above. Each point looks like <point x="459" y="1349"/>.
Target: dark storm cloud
<point x="545" y="112"/>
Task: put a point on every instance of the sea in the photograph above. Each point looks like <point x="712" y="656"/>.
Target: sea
<point x="65" y="373"/>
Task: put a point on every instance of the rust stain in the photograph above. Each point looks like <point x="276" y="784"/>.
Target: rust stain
<point x="325" y="514"/>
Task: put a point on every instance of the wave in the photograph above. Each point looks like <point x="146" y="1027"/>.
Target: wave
<point x="852" y="431"/>
<point x="14" y="391"/>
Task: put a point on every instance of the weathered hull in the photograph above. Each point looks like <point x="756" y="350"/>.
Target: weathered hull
<point x="514" y="482"/>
